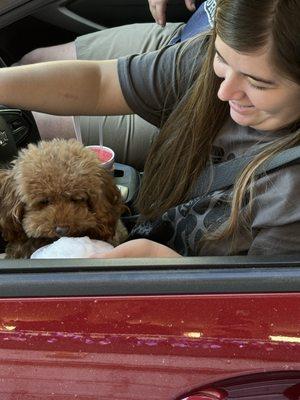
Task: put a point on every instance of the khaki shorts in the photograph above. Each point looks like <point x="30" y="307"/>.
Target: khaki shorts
<point x="128" y="135"/>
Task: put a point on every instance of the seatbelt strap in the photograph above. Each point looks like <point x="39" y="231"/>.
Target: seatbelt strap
<point x="223" y="175"/>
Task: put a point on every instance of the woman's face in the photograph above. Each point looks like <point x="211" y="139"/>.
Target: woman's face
<point x="257" y="95"/>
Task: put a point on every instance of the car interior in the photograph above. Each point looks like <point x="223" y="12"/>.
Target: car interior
<point x="29" y="24"/>
<point x="26" y="25"/>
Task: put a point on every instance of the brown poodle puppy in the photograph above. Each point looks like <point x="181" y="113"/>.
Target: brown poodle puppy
<point x="56" y="189"/>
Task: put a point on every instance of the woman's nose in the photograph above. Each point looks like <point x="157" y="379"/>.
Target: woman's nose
<point x="230" y="89"/>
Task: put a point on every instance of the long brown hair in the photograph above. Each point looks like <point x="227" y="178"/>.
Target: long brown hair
<point x="184" y="145"/>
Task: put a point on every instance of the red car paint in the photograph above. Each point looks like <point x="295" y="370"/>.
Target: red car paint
<point x="144" y="347"/>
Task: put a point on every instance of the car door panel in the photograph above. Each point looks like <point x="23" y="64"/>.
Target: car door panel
<point x="160" y="347"/>
<point x="151" y="332"/>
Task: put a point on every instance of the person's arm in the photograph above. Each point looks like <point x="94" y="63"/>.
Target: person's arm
<point x="139" y="248"/>
<point x="158" y="9"/>
<point x="64" y="88"/>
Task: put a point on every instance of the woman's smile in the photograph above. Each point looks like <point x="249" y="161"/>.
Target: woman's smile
<point x="241" y="109"/>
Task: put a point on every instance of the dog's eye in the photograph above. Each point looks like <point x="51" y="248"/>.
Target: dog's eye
<point x="78" y="199"/>
<point x="44" y="202"/>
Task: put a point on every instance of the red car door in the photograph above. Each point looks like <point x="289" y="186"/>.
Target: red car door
<point x="201" y="328"/>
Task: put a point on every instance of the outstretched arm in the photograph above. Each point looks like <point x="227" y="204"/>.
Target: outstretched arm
<point x="64" y="88"/>
<point x="139" y="248"/>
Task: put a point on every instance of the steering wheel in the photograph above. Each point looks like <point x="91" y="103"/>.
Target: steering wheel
<point x="17" y="130"/>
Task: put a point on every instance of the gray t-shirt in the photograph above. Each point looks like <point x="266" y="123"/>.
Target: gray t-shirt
<point x="153" y="83"/>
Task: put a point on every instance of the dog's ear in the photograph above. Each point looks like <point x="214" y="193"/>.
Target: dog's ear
<point x="11" y="208"/>
<point x="107" y="205"/>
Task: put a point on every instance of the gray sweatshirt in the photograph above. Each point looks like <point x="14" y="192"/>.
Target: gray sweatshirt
<point x="150" y="85"/>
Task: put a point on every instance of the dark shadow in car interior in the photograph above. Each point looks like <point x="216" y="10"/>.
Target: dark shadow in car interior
<point x="61" y="22"/>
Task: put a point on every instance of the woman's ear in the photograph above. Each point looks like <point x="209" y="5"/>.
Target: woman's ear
<point x="11" y="208"/>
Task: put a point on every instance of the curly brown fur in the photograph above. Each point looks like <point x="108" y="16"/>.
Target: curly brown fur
<point x="55" y="189"/>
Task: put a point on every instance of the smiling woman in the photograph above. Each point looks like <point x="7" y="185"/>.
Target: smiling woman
<point x="260" y="98"/>
<point x="253" y="51"/>
<point x="211" y="107"/>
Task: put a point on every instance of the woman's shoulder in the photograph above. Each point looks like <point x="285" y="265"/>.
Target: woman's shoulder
<point x="153" y="82"/>
<point x="276" y="197"/>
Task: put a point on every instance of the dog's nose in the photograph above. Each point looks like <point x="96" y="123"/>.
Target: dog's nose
<point x="62" y="230"/>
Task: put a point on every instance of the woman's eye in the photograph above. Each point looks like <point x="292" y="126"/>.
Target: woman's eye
<point x="257" y="87"/>
<point x="218" y="58"/>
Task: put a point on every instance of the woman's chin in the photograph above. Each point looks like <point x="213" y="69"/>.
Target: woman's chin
<point x="243" y="120"/>
<point x="247" y="120"/>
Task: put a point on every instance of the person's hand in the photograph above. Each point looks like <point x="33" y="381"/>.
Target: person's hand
<point x="138" y="248"/>
<point x="158" y="9"/>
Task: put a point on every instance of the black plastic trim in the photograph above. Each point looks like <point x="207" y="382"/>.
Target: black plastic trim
<point x="8" y="15"/>
<point x="48" y="278"/>
<point x="262" y="385"/>
<point x="148" y="264"/>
